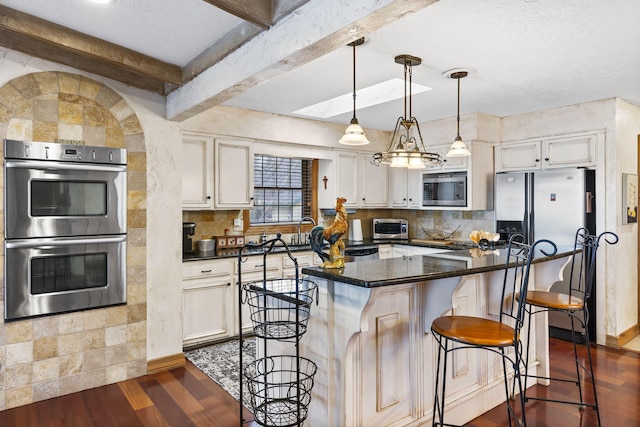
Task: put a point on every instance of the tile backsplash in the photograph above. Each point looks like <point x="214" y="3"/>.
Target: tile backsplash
<point x="214" y="223"/>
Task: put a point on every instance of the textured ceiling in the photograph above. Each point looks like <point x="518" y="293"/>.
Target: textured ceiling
<point x="174" y="31"/>
<point x="527" y="55"/>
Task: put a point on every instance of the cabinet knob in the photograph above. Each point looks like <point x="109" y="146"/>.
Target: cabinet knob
<point x="537" y="160"/>
<point x="208" y="197"/>
<point x="546" y="159"/>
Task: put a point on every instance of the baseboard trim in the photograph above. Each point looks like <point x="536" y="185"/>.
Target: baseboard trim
<point x="626" y="336"/>
<point x="165" y="363"/>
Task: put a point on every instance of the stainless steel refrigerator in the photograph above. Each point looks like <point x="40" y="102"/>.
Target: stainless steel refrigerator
<point x="550" y="205"/>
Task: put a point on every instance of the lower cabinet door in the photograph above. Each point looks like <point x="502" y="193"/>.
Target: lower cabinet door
<point x="207" y="313"/>
<point x="247" y="324"/>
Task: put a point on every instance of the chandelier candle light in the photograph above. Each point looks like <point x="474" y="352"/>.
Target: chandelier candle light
<point x="458" y="148"/>
<point x="354" y="135"/>
<point x="407" y="147"/>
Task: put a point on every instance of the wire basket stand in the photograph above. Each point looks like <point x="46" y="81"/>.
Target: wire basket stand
<point x="279" y="386"/>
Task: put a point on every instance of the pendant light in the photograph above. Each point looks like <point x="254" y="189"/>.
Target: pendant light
<point x="458" y="148"/>
<point x="407" y="147"/>
<point x="354" y="135"/>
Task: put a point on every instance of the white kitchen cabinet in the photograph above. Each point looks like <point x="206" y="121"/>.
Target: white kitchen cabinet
<point x="385" y="251"/>
<point x="304" y="259"/>
<point x="518" y="156"/>
<point x="347" y="178"/>
<point x="414" y="188"/>
<point x="568" y="151"/>
<point x="233" y="173"/>
<point x="374" y="183"/>
<point x="363" y="184"/>
<point x="480" y="171"/>
<point x="398" y="251"/>
<point x="210" y="292"/>
<point x="399" y="189"/>
<point x="254" y="269"/>
<point x="409" y="250"/>
<point x="405" y="188"/>
<point x="448" y="163"/>
<point x="197" y="171"/>
<point x="207" y="301"/>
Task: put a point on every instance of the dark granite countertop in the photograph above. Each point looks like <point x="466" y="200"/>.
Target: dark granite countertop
<point x="233" y="253"/>
<point x="393" y="271"/>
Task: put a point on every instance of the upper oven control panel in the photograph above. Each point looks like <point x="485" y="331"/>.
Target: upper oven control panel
<point x="63" y="152"/>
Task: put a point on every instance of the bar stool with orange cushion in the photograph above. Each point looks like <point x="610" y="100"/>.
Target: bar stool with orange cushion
<point x="493" y="335"/>
<point x="574" y="304"/>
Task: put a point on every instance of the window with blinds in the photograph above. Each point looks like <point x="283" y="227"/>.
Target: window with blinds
<point x="282" y="190"/>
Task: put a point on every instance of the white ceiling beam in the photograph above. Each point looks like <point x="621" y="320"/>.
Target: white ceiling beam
<point x="316" y="28"/>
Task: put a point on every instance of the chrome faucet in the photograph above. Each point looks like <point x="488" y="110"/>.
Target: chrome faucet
<point x="303" y="219"/>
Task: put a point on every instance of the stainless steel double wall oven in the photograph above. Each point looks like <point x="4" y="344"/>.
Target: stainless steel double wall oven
<point x="65" y="228"/>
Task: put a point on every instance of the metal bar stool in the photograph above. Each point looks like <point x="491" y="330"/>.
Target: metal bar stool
<point x="574" y="305"/>
<point x="496" y="336"/>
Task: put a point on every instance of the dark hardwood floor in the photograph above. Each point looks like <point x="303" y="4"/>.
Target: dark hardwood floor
<point x="187" y="397"/>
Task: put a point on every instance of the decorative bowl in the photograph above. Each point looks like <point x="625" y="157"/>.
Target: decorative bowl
<point x="434" y="234"/>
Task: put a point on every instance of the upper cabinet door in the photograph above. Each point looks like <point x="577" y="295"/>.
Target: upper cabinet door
<point x="399" y="187"/>
<point x="233" y="173"/>
<point x="347" y="177"/>
<point x="374" y="191"/>
<point x="566" y="151"/>
<point x="570" y="152"/>
<point x="363" y="184"/>
<point x="448" y="163"/>
<point x="518" y="156"/>
<point x="197" y="168"/>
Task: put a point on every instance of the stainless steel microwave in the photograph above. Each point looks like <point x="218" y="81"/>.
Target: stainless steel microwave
<point x="444" y="189"/>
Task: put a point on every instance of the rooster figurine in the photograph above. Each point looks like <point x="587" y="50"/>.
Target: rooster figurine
<point x="333" y="235"/>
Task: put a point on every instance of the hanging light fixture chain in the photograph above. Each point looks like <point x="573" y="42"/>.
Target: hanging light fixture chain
<point x="405" y="89"/>
<point x="354" y="80"/>
<point x="458" y="116"/>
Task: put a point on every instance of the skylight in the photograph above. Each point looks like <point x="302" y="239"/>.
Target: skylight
<point x="380" y="93"/>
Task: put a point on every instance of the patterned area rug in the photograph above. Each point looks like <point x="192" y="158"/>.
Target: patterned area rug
<point x="221" y="361"/>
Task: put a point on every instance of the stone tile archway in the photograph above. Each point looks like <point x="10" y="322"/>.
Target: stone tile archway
<point x="56" y="355"/>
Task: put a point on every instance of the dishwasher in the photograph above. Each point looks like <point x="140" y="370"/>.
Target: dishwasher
<point x="360" y="253"/>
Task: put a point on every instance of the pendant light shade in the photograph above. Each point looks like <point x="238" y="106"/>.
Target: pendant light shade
<point x="458" y="148"/>
<point x="354" y="135"/>
<point x="407" y="147"/>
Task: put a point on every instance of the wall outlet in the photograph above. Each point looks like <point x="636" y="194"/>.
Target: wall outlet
<point x="238" y="224"/>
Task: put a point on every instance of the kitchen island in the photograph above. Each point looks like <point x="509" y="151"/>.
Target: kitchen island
<point x="370" y="337"/>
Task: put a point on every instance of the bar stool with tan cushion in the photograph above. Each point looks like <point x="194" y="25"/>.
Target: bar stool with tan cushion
<point x="497" y="336"/>
<point x="574" y="305"/>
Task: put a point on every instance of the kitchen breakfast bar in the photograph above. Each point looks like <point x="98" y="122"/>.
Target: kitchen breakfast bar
<point x="370" y="336"/>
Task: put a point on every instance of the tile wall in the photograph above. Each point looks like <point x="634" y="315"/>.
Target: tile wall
<point x="56" y="355"/>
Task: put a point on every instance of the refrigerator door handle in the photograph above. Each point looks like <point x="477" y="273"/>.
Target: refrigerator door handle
<point x="589" y="202"/>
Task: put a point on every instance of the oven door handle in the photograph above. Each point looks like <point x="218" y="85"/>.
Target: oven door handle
<point x="57" y="166"/>
<point x="63" y="241"/>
